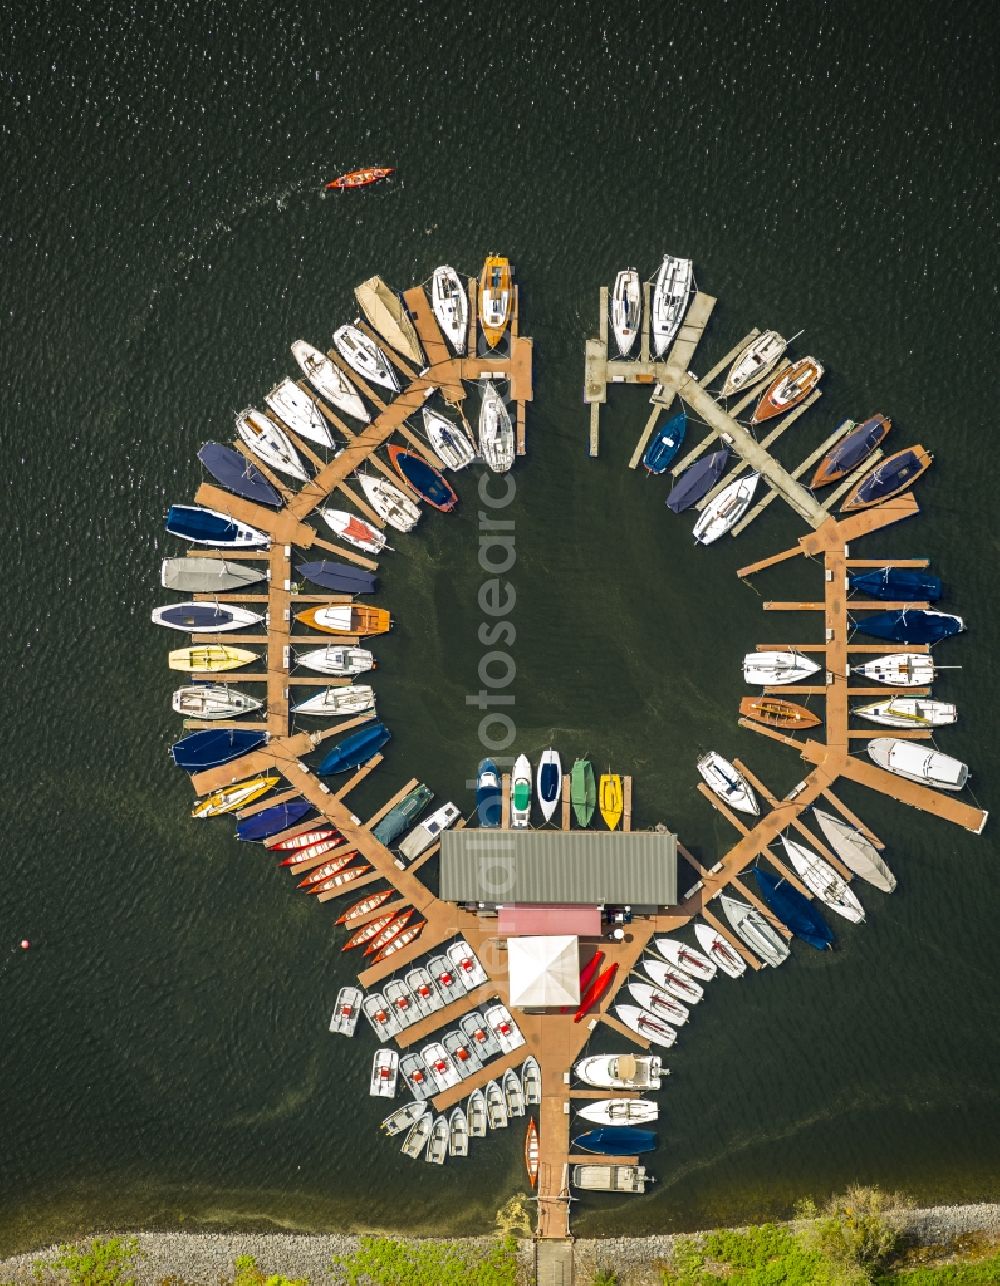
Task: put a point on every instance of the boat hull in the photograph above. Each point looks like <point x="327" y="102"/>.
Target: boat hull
<point x="794" y="910"/>
<point x="775" y="713"/>
<point x="851" y="451"/>
<point x="235" y="472"/>
<point x="428" y="482"/>
<point x="889" y="478"/>
<point x="665" y="444"/>
<point x="788" y="390"/>
<point x="697" y="481"/>
<point x="211" y="747"/>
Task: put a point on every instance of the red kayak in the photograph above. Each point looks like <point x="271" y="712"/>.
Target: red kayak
<point x="361" y="178"/>
<point x="587" y="973"/>
<point x="595" y="991"/>
<point x="295" y="842"/>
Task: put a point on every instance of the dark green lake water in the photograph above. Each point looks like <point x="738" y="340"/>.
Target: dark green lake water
<point x="165" y="1059"/>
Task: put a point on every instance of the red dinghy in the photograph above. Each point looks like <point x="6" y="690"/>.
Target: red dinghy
<point x="595" y="991"/>
<point x="587" y="974"/>
<point x="361" y="178"/>
<point x="370" y="903"/>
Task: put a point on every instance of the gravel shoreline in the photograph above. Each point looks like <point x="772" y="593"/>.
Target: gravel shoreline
<point x="205" y="1258"/>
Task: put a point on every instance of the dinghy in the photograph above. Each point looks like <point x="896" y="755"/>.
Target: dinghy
<point x="355" y="749"/>
<point x="748" y="923"/>
<point x="626" y="309"/>
<point x="531" y="1081"/>
<point x="790" y="388"/>
<point x="503" y="1027"/>
<point x="270" y="444"/>
<point x="921" y="625"/>
<point x="823" y="881"/>
<point x="389" y="503"/>
<point x="654" y="1029"/>
<point x="896" y="583"/>
<point x="475" y="1112"/>
<point x="723" y="512"/>
<point x="670" y="300"/>
<point x="354" y="530"/>
<point x="209" y="527"/>
<point x="205" y="618"/>
<point x="229" y="798"/>
<point x="855" y="850"/>
<point x="659" y="1003"/>
<point x="342" y="578"/>
<point x="513" y="1093"/>
<point x="385" y="1072"/>
<point x="889" y="478"/>
<point x="402" y="815"/>
<point x="915" y="762"/>
<point x="583" y="791"/>
<point x="212" y="747"/>
<point x="329" y="381"/>
<point x="346" y="618"/>
<point x="458" y="1133"/>
<point x="496" y="433"/>
<point x="520" y="793"/>
<point x="449" y="442"/>
<point x="665" y="444"/>
<point x="336" y="660"/>
<point x="344" y="1020"/>
<point x="548" y="782"/>
<point x="688" y="959"/>
<point x="719" y="951"/>
<point x="616" y="1140"/>
<point x="429" y="483"/>
<point x="496" y="298"/>
<point x="776" y="713"/>
<point x="496" y="1108"/>
<point x="754" y="361"/>
<point x="697" y="481"/>
<point x="296" y="409"/>
<point x="450" y="303"/>
<point x="403" y="1117"/>
<point x="273" y="820"/>
<point x="234" y="471"/>
<point x="466" y="962"/>
<point x="364" y="356"/>
<point x="210" y="658"/>
<point x="620" y="1111"/>
<point x="488" y="793"/>
<point x="360" y="178"/>
<point x="768" y="669"/>
<point x="437" y="1144"/>
<point x="674" y="981"/>
<point x="851" y="451"/>
<point x="387" y="314"/>
<point x="794" y="910"/>
<point x="620" y="1071"/>
<point x="213" y="701"/>
<point x="612" y="799"/>
<point x="909" y="712"/>
<point x="415" y="1075"/>
<point x="418" y="1134"/>
<point x="722" y="778"/>
<point x="343" y="702"/>
<point x="208" y="575"/>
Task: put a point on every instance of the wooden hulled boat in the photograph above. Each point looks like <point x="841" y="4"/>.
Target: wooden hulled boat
<point x="429" y="483"/>
<point x="342" y="878"/>
<point x="790" y="388"/>
<point x="845" y="456"/>
<point x="329" y="381"/>
<point x="612" y="799"/>
<point x="531" y="1152"/>
<point x="346" y="618"/>
<point x="270" y="443"/>
<point x="496" y="295"/>
<point x="402" y="940"/>
<point x="776" y="713"/>
<point x="754" y="361"/>
<point x="370" y="903"/>
<point x="311" y="883"/>
<point x="889" y="478"/>
<point x="626" y="310"/>
<point x="295" y="408"/>
<point x="395" y="925"/>
<point x="360" y="178"/>
<point x="229" y="798"/>
<point x="316" y="849"/>
<point x="450" y="303"/>
<point x="294" y="845"/>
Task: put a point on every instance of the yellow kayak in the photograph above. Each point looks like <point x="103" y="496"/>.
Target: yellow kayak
<point x="611" y="799"/>
<point x="229" y="798"/>
<point x="213" y="658"/>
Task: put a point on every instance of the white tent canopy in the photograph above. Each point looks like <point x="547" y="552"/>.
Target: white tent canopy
<point x="544" y="972"/>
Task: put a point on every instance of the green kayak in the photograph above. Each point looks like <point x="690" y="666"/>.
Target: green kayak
<point x="582" y="791"/>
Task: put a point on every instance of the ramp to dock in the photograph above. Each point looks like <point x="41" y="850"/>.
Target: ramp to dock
<point x="554" y="1263"/>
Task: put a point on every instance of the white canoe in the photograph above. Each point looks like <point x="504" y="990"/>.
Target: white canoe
<point x="821" y="879"/>
<point x="213" y="701"/>
<point x="626" y="310"/>
<point x="674" y="980"/>
<point x="899" y="669"/>
<point x="908" y="712"/>
<point x="659" y="1003"/>
<point x="915" y="762"/>
<point x="354" y="699"/>
<point x="754" y="361"/>
<point x="364" y="356"/>
<point x="770" y="668"/>
<point x="620" y="1071"/>
<point x="329" y="380"/>
<point x="391" y="505"/>
<point x="269" y="443"/>
<point x="855" y="850"/>
<point x="620" y="1111"/>
<point x="688" y="959"/>
<point x="451" y="306"/>
<point x="385" y="1072"/>
<point x="336" y="660"/>
<point x="354" y="530"/>
<point x="208" y="575"/>
<point x="450" y="443"/>
<point x="496" y="433"/>
<point x="719" y="950"/>
<point x="761" y="937"/>
<point x="670" y="300"/>
<point x="724" y="780"/>
<point x="726" y="509"/>
<point x="643" y="1023"/>
<point x="549" y="772"/>
<point x="296" y="409"/>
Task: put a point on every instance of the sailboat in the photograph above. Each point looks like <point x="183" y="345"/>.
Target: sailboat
<point x="753" y="361"/>
<point x="822" y="880"/>
<point x="270" y="443"/>
<point x="790" y="388"/>
<point x="364" y="356"/>
<point x="329" y="381"/>
<point x="496" y="434"/>
<point x="750" y="925"/>
<point x="496" y="296"/>
<point x="845" y="456"/>
<point x="670" y="300"/>
<point x="770" y="668"/>
<point x="548" y="782"/>
<point x="723" y="512"/>
<point x="855" y="850"/>
<point x="583" y="791"/>
<point x="450" y="303"/>
<point x="908" y="712"/>
<point x="724" y="780"/>
<point x="391" y="505"/>
<point x="612" y="799"/>
<point x="295" y="408"/>
<point x="626" y="310"/>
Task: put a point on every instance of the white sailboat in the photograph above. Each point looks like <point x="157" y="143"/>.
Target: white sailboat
<point x="329" y="381"/>
<point x="626" y="310"/>
<point x="450" y="443"/>
<point x="723" y="512"/>
<point x="398" y="510"/>
<point x="915" y="762"/>
<point x="496" y="433"/>
<point x="855" y="850"/>
<point x="270" y="443"/>
<point x="899" y="669"/>
<point x="450" y="302"/>
<point x="351" y="700"/>
<point x="620" y="1111"/>
<point x="643" y="1023"/>
<point x="724" y="780"/>
<point x="670" y="300"/>
<point x="336" y="660"/>
<point x="364" y="356"/>
<point x="297" y="410"/>
<point x="820" y="878"/>
<point x="761" y="937"/>
<point x="354" y="530"/>
<point x="659" y="1002"/>
<point x="548" y="782"/>
<point x="908" y="712"/>
<point x="213" y="701"/>
<point x="754" y="361"/>
<point x="688" y="959"/>
<point x="719" y="950"/>
<point x="767" y="669"/>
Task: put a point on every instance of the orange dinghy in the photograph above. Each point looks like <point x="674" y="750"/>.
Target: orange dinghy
<point x="495" y="298"/>
<point x="361" y="178"/>
<point x="531" y="1152"/>
<point x="777" y="713"/>
<point x="346" y="618"/>
<point x="790" y="388"/>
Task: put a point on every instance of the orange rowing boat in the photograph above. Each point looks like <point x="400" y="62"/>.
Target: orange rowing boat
<point x="361" y="178"/>
<point x="777" y="713"/>
<point x="531" y="1152"/>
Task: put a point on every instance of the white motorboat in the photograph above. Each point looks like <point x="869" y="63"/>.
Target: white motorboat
<point x="659" y="1003"/>
<point x="354" y="530"/>
<point x="915" y="762"/>
<point x="768" y="669"/>
<point x="609" y="1178"/>
<point x="417" y="1135"/>
<point x="496" y="1107"/>
<point x="387" y="314"/>
<point x="670" y="300"/>
<point x="403" y="1117"/>
<point x="475" y="1114"/>
<point x="380" y="1016"/>
<point x="531" y="1080"/>
<point x="204" y="618"/>
<point x="439" y="1063"/>
<point x="626" y="310"/>
<point x="855" y="850"/>
<point x="297" y="411"/>
<point x="821" y="879"/>
<point x="513" y="1093"/>
<point x="548" y="782"/>
<point x="449" y="442"/>
<point x="385" y="1072"/>
<point x="908" y="712"/>
<point x="673" y="980"/>
<point x="401" y="1002"/>
<point x="503" y="1027"/>
<point x="688" y="959"/>
<point x="445" y="978"/>
<point x="329" y="381"/>
<point x="458" y="1133"/>
<point x="645" y="1024"/>
<point x="462" y="1054"/>
<point x="344" y="1019"/>
<point x="754" y="361"/>
<point x="899" y="669"/>
<point x="450" y="302"/>
<point x="720" y="951"/>
<point x="496" y="433"/>
<point x="364" y="356"/>
<point x="354" y="699"/>
<point x="620" y="1111"/>
<point x="395" y="508"/>
<point x="520" y="793"/>
<point x="427" y="996"/>
<point x="427" y="833"/>
<point x="336" y="660"/>
<point x="415" y="1075"/>
<point x="748" y="923"/>
<point x="209" y="575"/>
<point x="466" y="962"/>
<point x="270" y="443"/>
<point x="725" y="510"/>
<point x="724" y="780"/>
<point x="620" y="1071"/>
<point x="476" y="1031"/>
<point x="437" y="1144"/>
<point x="213" y="701"/>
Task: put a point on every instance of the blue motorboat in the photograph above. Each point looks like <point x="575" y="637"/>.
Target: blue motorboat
<point x="355" y="750"/>
<point x="272" y="820"/>
<point x="488" y="790"/>
<point x="209" y="527"/>
<point x="697" y="481"/>
<point x="922" y="625"/>
<point x="665" y="444"/>
<point x="616" y="1140"/>
<point x="235" y="472"/>
<point x="340" y="577"/>
<point x="794" y="910"/>
<point x="896" y="583"/>
<point x="426" y="481"/>
<point x="214" y="746"/>
<point x="402" y="815"/>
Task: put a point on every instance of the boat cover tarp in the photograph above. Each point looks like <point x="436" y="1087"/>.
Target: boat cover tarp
<point x="386" y="314"/>
<point x="544" y="971"/>
<point x="235" y="472"/>
<point x="524" y="920"/>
